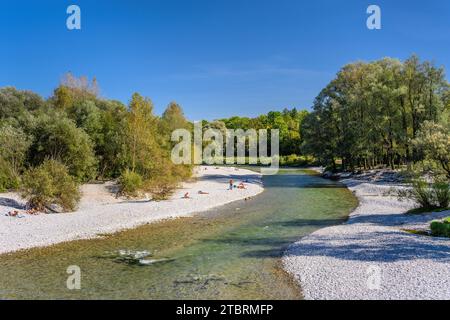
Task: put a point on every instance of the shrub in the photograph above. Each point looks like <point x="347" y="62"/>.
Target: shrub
<point x="162" y="187"/>
<point x="8" y="179"/>
<point x="50" y="184"/>
<point x="130" y="183"/>
<point x="295" y="160"/>
<point x="14" y="144"/>
<point x="441" y="228"/>
<point x="428" y="195"/>
<point x="163" y="181"/>
<point x="441" y="190"/>
<point x="423" y="194"/>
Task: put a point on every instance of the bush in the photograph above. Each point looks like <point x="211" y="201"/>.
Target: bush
<point x="162" y="187"/>
<point x="14" y="144"/>
<point x="50" y="184"/>
<point x="428" y="195"/>
<point x="423" y="194"/>
<point x="8" y="179"/>
<point x="295" y="160"/>
<point x="163" y="181"/>
<point x="130" y="183"/>
<point x="441" y="228"/>
<point x="441" y="190"/>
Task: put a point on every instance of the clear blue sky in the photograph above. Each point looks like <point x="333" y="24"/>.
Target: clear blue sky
<point x="216" y="58"/>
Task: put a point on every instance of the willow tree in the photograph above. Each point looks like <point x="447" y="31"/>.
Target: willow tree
<point x="369" y="114"/>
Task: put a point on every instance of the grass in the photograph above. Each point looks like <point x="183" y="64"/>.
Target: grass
<point x="418" y="232"/>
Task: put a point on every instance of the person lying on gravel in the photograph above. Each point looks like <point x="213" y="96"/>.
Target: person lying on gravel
<point x="14" y="214"/>
<point x="186" y="196"/>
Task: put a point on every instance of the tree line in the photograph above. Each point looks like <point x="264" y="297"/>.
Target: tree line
<point x="382" y="113"/>
<point x="372" y="114"/>
<point x="88" y="138"/>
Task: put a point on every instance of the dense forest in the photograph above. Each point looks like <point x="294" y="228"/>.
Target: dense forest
<point x="385" y="112"/>
<point x="287" y="122"/>
<point x="75" y="136"/>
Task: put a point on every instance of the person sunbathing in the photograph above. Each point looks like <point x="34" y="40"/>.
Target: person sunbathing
<point x="241" y="186"/>
<point x="186" y="196"/>
<point x="202" y="192"/>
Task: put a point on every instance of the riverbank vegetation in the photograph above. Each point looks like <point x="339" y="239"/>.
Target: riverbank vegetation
<point x="441" y="228"/>
<point x="381" y="114"/>
<point x="49" y="146"/>
<point x="385" y="113"/>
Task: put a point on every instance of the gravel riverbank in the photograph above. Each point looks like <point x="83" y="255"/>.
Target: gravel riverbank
<point x="371" y="256"/>
<point x="101" y="213"/>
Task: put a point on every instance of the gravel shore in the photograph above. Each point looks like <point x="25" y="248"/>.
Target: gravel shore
<point x="371" y="257"/>
<point x="101" y="213"/>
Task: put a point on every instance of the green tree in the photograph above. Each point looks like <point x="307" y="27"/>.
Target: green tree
<point x="141" y="136"/>
<point x="57" y="137"/>
<point x="14" y="144"/>
<point x="434" y="141"/>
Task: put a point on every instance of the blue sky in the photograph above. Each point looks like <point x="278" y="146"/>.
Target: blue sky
<point x="217" y="58"/>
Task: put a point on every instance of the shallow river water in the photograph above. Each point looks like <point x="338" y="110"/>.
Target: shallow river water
<point x="232" y="252"/>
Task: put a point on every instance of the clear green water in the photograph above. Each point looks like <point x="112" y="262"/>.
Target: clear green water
<point x="230" y="253"/>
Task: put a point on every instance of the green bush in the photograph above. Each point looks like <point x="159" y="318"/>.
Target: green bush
<point x="434" y="195"/>
<point x="441" y="228"/>
<point x="130" y="183"/>
<point x="423" y="194"/>
<point x="441" y="190"/>
<point x="162" y="187"/>
<point x="8" y="180"/>
<point x="294" y="160"/>
<point x="50" y="184"/>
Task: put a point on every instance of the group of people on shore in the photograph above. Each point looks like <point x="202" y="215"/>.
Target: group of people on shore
<point x="231" y="186"/>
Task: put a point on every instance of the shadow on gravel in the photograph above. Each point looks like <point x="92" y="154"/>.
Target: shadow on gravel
<point x="375" y="247"/>
<point x="11" y="203"/>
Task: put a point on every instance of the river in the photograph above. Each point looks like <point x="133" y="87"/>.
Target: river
<point x="232" y="252"/>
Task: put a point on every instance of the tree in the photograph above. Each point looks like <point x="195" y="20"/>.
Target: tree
<point x="14" y="144"/>
<point x="141" y="135"/>
<point x="173" y="118"/>
<point x="368" y="114"/>
<point x="57" y="137"/>
<point x="19" y="104"/>
<point x="434" y="141"/>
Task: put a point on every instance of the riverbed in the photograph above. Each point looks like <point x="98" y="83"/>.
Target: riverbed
<point x="231" y="252"/>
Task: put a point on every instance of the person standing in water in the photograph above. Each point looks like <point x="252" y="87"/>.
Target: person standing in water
<point x="231" y="184"/>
